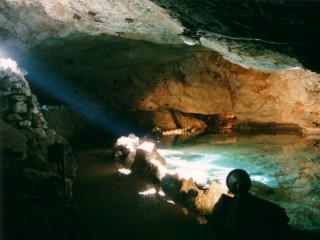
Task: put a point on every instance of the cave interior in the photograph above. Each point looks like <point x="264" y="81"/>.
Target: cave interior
<point x="214" y="85"/>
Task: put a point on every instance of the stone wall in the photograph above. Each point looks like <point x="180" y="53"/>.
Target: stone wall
<point x="26" y="139"/>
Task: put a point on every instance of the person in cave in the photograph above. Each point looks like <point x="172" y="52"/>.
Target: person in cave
<point x="246" y="216"/>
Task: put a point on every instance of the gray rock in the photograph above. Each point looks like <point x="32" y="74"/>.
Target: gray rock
<point x="19" y="107"/>
<point x="38" y="133"/>
<point x="25" y="123"/>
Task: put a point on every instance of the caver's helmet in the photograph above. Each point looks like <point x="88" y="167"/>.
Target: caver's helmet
<point x="238" y="181"/>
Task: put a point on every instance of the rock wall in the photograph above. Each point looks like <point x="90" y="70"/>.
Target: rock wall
<point x="126" y="76"/>
<point x="207" y="84"/>
<point x="26" y="139"/>
<point x="35" y="21"/>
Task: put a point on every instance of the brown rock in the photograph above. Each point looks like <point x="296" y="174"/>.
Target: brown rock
<point x="206" y="200"/>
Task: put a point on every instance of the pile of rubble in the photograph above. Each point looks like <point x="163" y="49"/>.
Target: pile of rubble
<point x="29" y="155"/>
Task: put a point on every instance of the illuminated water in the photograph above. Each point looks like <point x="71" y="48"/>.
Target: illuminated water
<point x="284" y="168"/>
<point x="113" y="205"/>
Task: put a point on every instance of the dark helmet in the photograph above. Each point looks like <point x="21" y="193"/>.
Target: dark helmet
<point x="238" y="181"/>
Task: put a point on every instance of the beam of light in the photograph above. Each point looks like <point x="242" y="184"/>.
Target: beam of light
<point x="10" y="64"/>
<point x="64" y="92"/>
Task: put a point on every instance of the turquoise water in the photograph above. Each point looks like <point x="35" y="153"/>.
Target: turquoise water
<point x="283" y="168"/>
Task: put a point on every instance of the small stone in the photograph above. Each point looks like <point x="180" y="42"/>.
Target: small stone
<point x="19" y="107"/>
<point x="39" y="133"/>
<point x="34" y="110"/>
<point x="25" y="123"/>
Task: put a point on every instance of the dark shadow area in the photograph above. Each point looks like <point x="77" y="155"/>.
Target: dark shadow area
<point x="106" y="205"/>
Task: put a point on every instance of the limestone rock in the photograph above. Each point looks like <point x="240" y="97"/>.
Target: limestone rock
<point x="206" y="200"/>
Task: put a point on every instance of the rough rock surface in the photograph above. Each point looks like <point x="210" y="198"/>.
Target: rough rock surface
<point x="190" y="80"/>
<point x="250" y="33"/>
<point x="28" y="22"/>
<point x="125" y="75"/>
<point x="258" y="34"/>
<point x="26" y="138"/>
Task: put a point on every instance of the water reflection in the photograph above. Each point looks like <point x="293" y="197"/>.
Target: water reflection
<point x="284" y="168"/>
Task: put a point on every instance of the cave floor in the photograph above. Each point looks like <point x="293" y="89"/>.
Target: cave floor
<point x="112" y="208"/>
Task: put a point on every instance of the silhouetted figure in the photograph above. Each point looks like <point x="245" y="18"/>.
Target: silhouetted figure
<point x="246" y="216"/>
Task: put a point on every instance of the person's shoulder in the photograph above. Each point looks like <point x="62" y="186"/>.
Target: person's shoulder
<point x="223" y="201"/>
<point x="271" y="208"/>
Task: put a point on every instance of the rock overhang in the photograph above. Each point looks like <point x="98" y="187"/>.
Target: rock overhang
<point x="264" y="35"/>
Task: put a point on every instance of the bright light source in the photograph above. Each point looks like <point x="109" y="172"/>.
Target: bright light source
<point x="150" y="191"/>
<point x="8" y="63"/>
<point x="124" y="171"/>
<point x="147" y="146"/>
<point x="161" y="193"/>
<point x="131" y="142"/>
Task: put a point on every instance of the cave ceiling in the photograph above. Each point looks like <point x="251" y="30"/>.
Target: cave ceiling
<point x="255" y="34"/>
